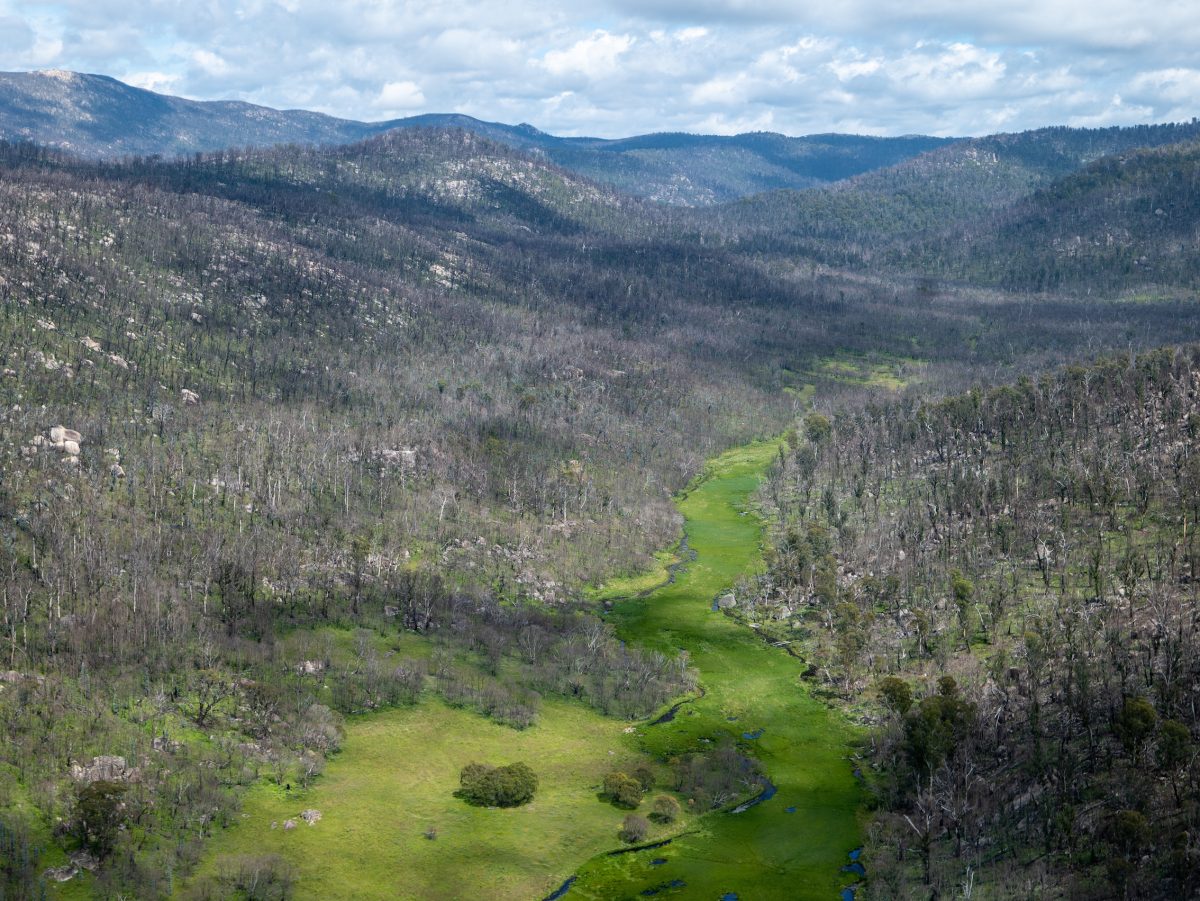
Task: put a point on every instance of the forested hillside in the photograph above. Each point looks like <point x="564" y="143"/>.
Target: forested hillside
<point x="300" y="433"/>
<point x="1125" y="220"/>
<point x="1009" y="575"/>
<point x="889" y="217"/>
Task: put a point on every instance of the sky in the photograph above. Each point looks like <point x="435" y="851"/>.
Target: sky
<point x="614" y="68"/>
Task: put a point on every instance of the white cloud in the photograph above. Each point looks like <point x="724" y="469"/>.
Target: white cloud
<point x="1117" y="112"/>
<point x="209" y="62"/>
<point x="162" y="82"/>
<point x="848" y="69"/>
<point x="944" y="72"/>
<point x="399" y="95"/>
<point x="594" y="56"/>
<point x="1175" y="85"/>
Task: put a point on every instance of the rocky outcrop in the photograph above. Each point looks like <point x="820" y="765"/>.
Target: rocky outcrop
<point x="107" y="768"/>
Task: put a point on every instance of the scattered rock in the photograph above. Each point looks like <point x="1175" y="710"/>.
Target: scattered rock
<point x="725" y="601"/>
<point x="62" y="874"/>
<point x="59" y="434"/>
<point x="289" y="825"/>
<point x="310" y="816"/>
<point x="109" y="768"/>
<point x="190" y="398"/>
<point x="404" y="457"/>
<point x="310" y="667"/>
<point x="90" y="343"/>
<point x="116" y="471"/>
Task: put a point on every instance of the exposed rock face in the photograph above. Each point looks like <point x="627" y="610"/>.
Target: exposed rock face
<point x="404" y="457"/>
<point x="109" y="768"/>
<point x="62" y="874"/>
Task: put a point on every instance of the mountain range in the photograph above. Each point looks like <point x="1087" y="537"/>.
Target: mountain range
<point x="101" y="117"/>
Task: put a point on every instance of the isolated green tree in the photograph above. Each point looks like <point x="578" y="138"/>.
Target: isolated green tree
<point x="666" y="809"/>
<point x="99" y="813"/>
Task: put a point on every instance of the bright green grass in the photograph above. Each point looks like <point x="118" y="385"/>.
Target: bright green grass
<point x="395" y="778"/>
<point x="765" y="852"/>
<point x="637" y="583"/>
<point x="876" y="371"/>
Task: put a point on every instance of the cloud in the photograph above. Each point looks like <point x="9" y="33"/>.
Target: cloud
<point x="619" y="67"/>
<point x="595" y="56"/>
<point x="399" y="96"/>
<point x="946" y="72"/>
<point x="160" y="82"/>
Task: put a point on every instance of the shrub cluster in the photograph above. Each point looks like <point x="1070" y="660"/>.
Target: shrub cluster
<point x="505" y="786"/>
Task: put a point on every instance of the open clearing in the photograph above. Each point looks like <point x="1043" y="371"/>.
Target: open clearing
<point x="395" y="778"/>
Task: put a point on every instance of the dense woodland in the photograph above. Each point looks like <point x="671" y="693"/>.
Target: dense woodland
<point x="1011" y="572"/>
<point x="298" y="433"/>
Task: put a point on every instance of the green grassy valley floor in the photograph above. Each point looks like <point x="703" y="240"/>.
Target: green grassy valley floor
<point x="397" y="772"/>
<point x="395" y="778"/>
<point x="765" y="852"/>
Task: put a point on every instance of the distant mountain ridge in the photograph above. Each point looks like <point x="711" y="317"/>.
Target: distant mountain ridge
<point x="99" y="116"/>
<point x="898" y="213"/>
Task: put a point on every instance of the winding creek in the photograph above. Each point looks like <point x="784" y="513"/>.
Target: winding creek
<point x="758" y="850"/>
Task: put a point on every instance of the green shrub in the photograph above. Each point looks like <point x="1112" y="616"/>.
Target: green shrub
<point x="666" y="809"/>
<point x="623" y="790"/>
<point x="505" y="786"/>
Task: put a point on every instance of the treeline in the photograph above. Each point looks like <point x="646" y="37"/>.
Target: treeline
<point x="1013" y="572"/>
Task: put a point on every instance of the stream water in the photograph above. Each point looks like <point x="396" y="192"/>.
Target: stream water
<point x="794" y="851"/>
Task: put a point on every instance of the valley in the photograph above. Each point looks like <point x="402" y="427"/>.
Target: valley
<point x="337" y="462"/>
<point x="376" y="803"/>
